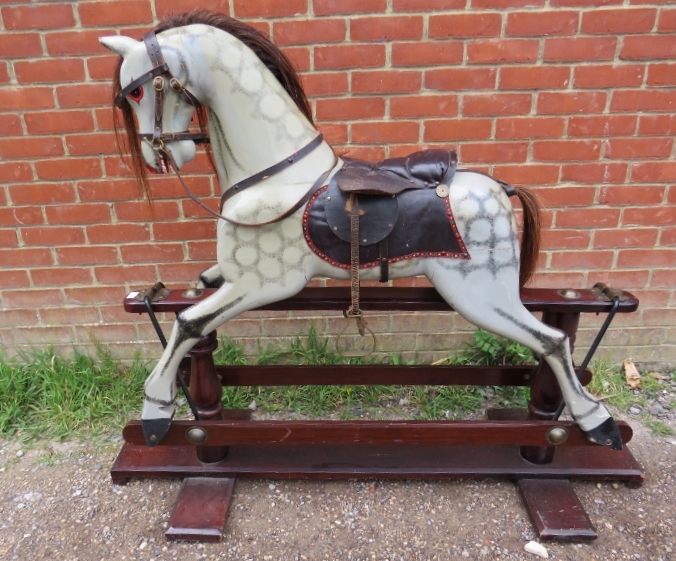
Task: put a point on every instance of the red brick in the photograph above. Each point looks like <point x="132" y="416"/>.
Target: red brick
<point x="12" y="99"/>
<point x="657" y="125"/>
<point x="453" y="79"/>
<point x="45" y="122"/>
<point x="582" y="260"/>
<point x="68" y="168"/>
<point x="94" y="295"/>
<point x="202" y="250"/>
<point x="8" y="238"/>
<point x="620" y="21"/>
<point x="566" y="150"/>
<point x="668" y="236"/>
<point x="628" y="258"/>
<point x="667" y="20"/>
<point x="494" y="152"/>
<point x="13" y="279"/>
<point x="334" y="133"/>
<point x="457" y="129"/>
<point x="302" y="32"/>
<point x="584" y="49"/>
<point x="386" y="81"/>
<point x="496" y="104"/>
<point x="424" y="106"/>
<point x="662" y="75"/>
<point x="15" y="172"/>
<point x="83" y="95"/>
<point x="318" y="84"/>
<point x="299" y="57"/>
<point x="605" y="125"/>
<point x="166" y="7"/>
<point x="631" y="195"/>
<point x="118" y="233"/>
<point x="565" y="239"/>
<point x="33" y="299"/>
<point x="52" y="70"/>
<point x="369" y="153"/>
<point x="4" y="73"/>
<point x="648" y="46"/>
<point x="584" y="3"/>
<point x="567" y="196"/>
<point x="14" y="318"/>
<point x="347" y="109"/>
<point x="534" y="77"/>
<point x="587" y="218"/>
<point x="10" y="125"/>
<point x="503" y="4"/>
<point x="31" y="147"/>
<point x="561" y="103"/>
<point x="269" y="8"/>
<point x="193" y="230"/>
<point x="42" y="193"/>
<point x="530" y="174"/>
<point x="529" y="127"/>
<point x="91" y="144"/>
<point x="426" y="6"/>
<point x="330" y="7"/>
<point x="66" y="235"/>
<point x="25" y="257"/>
<point x="70" y="316"/>
<point x="659" y="216"/>
<point x="161" y="253"/>
<point x="609" y="76"/>
<point x="643" y="100"/>
<point x="638" y="148"/>
<point x="140" y="211"/>
<point x="546" y="279"/>
<point x="77" y="42"/>
<point x="120" y="274"/>
<point x="101" y="67"/>
<point x="115" y="13"/>
<point x="107" y="190"/>
<point x="464" y="25"/>
<point x="387" y="132"/>
<point x="386" y="28"/>
<point x="625" y="237"/>
<point x="13" y="216"/>
<point x="653" y="172"/>
<point x="671" y="196"/>
<point x="501" y="51"/>
<point x="38" y="17"/>
<point x="594" y="173"/>
<point x="663" y="278"/>
<point x="349" y="56"/>
<point x="79" y="213"/>
<point x="20" y="45"/>
<point x="86" y="255"/>
<point x="542" y="23"/>
<point x="427" y="53"/>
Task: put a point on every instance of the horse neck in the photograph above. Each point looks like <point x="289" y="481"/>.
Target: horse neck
<point x="253" y="122"/>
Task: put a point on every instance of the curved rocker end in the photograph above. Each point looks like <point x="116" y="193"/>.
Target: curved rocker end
<point x="154" y="430"/>
<point x="606" y="434"/>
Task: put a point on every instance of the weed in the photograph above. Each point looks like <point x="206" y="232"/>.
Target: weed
<point x="657" y="428"/>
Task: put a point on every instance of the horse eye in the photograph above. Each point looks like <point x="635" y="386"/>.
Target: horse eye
<point x="136" y="94"/>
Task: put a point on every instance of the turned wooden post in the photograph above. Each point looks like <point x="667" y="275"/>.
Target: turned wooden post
<point x="545" y="393"/>
<point x="205" y="388"/>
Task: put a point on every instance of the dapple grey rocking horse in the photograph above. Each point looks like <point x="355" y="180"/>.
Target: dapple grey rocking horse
<point x="290" y="207"/>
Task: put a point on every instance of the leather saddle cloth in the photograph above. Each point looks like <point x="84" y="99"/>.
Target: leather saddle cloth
<point x="402" y="201"/>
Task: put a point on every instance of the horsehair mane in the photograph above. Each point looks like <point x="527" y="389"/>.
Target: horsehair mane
<point x="282" y="68"/>
<point x="269" y="54"/>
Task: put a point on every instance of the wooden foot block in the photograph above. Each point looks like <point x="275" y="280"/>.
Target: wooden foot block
<point x="201" y="509"/>
<point x="556" y="511"/>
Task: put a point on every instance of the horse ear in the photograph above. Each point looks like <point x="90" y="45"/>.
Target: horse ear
<point x="119" y="44"/>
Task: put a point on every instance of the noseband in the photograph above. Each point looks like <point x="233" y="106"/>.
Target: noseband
<point x="158" y="138"/>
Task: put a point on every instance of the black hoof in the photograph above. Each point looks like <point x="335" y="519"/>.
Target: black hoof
<point x="606" y="434"/>
<point x="154" y="430"/>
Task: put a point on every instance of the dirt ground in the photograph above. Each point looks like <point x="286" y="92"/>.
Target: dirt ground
<point x="57" y="502"/>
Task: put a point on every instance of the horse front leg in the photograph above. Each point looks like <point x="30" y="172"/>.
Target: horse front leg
<point x="211" y="278"/>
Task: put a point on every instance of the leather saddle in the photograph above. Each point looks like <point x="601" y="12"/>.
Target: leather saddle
<point x="403" y="212"/>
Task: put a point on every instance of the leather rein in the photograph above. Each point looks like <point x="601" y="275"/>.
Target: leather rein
<point x="157" y="139"/>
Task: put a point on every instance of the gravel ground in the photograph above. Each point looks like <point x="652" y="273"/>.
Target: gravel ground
<point x="57" y="502"/>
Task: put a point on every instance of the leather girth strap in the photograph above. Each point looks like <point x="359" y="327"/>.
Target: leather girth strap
<point x="354" y="311"/>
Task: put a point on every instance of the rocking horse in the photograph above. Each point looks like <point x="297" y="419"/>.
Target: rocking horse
<point x="292" y="210"/>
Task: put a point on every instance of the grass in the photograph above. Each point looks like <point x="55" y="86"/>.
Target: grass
<point x="46" y="397"/>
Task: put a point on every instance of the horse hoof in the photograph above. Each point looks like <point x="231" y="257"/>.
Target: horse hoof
<point x="154" y="430"/>
<point x="606" y="434"/>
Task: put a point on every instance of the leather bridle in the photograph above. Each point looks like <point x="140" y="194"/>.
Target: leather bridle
<point x="158" y="138"/>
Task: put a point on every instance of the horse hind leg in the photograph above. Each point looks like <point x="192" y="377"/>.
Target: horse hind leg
<point x="487" y="305"/>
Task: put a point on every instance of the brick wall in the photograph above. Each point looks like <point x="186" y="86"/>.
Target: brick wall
<point x="575" y="98"/>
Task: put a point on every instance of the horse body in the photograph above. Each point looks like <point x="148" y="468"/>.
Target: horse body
<point x="253" y="124"/>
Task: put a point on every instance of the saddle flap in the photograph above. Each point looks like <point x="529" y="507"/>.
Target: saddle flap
<point x="377" y="215"/>
<point x="371" y="182"/>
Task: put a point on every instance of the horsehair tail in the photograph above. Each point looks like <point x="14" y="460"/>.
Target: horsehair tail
<point x="530" y="240"/>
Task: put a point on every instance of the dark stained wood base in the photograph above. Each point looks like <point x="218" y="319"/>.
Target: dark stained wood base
<point x="201" y="509"/>
<point x="555" y="510"/>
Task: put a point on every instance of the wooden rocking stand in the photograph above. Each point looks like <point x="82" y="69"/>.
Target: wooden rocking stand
<point x="540" y="454"/>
